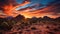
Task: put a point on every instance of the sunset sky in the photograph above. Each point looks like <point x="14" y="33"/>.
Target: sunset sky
<point x="30" y="8"/>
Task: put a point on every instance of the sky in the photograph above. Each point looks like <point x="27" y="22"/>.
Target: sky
<point x="30" y="8"/>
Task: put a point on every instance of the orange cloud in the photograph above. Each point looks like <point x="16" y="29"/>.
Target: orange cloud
<point x="47" y="11"/>
<point x="10" y="9"/>
<point x="30" y="12"/>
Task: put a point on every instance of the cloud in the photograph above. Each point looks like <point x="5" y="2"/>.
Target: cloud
<point x="52" y="11"/>
<point x="6" y="2"/>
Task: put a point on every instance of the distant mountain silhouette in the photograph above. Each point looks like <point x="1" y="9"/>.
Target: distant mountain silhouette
<point x="33" y="19"/>
<point x="19" y="18"/>
<point x="57" y="19"/>
<point x="47" y="18"/>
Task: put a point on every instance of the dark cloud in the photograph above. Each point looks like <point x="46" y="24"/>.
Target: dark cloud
<point x="6" y="2"/>
<point x="56" y="8"/>
<point x="53" y="7"/>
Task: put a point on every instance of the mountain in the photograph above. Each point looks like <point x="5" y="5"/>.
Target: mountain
<point x="19" y="18"/>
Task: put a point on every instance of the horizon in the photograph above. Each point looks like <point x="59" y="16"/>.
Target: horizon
<point x="28" y="17"/>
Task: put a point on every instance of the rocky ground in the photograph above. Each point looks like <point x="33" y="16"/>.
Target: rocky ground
<point x="36" y="28"/>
